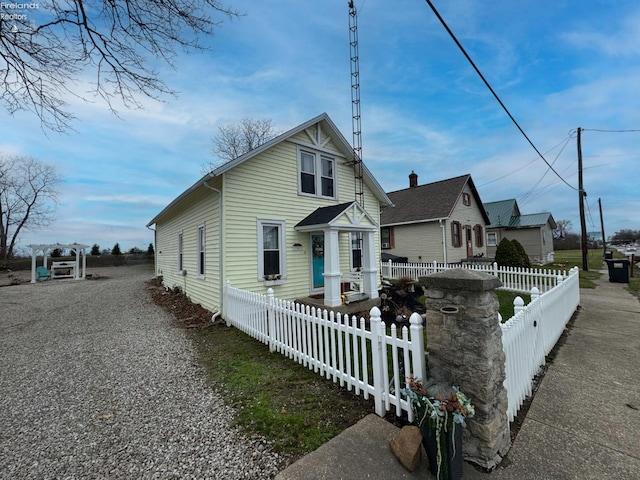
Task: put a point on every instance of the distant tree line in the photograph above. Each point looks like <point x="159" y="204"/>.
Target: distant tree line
<point x="95" y="250"/>
<point x="565" y="239"/>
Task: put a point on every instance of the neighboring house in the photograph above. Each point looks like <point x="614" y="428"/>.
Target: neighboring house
<point x="533" y="231"/>
<point x="442" y="221"/>
<point x="283" y="216"/>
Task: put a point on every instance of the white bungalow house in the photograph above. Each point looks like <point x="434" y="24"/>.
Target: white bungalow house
<point x="283" y="216"/>
<point x="443" y="221"/>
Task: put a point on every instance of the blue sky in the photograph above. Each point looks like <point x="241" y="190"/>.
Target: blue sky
<point x="557" y="65"/>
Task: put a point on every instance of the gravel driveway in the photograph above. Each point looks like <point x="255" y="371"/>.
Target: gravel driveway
<point x="97" y="382"/>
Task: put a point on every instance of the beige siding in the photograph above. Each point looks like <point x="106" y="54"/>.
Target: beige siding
<point x="201" y="208"/>
<point x="537" y="242"/>
<point x="422" y="242"/>
<point x="419" y="242"/>
<point x="468" y="216"/>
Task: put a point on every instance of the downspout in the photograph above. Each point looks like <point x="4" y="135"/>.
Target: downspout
<point x="444" y="240"/>
<point x="220" y="233"/>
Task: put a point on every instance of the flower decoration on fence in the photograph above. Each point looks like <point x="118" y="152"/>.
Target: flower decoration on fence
<point x="437" y="417"/>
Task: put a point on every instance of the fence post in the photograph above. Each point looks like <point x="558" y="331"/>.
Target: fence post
<point x="225" y="304"/>
<point x="518" y="305"/>
<point x="535" y="293"/>
<point x="271" y="320"/>
<point x="417" y="348"/>
<point x="377" y="329"/>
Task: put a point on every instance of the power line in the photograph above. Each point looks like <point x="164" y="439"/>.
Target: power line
<point x="565" y="141"/>
<point x="532" y="189"/>
<point x="608" y="131"/>
<point x="444" y="24"/>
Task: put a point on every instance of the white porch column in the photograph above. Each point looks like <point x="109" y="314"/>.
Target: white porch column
<point x="84" y="263"/>
<point x="331" y="269"/>
<point x="33" y="265"/>
<point x="369" y="265"/>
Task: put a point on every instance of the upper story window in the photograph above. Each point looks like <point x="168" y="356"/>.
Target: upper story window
<point x="317" y="174"/>
<point x="466" y="199"/>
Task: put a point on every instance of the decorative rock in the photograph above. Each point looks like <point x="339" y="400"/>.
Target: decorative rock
<point x="406" y="447"/>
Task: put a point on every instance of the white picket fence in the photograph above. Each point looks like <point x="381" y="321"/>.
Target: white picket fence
<point x="513" y="278"/>
<point x="377" y="362"/>
<point x="531" y="334"/>
<point x="368" y="361"/>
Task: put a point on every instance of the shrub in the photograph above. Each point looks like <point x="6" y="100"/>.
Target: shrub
<point x="524" y="258"/>
<point x="507" y="254"/>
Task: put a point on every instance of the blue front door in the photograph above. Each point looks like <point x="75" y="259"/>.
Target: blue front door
<point x="317" y="259"/>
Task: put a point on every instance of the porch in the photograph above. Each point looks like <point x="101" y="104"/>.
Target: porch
<point x="325" y="227"/>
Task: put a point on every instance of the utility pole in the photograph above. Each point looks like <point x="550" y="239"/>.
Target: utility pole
<point x="604" y="238"/>
<point x="581" y="195"/>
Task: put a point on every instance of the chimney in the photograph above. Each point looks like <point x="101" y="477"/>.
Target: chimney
<point x="413" y="179"/>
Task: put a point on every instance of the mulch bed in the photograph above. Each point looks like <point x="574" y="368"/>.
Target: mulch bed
<point x="174" y="301"/>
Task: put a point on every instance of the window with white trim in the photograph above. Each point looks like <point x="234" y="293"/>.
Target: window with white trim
<point x="317" y="174"/>
<point x="180" y="252"/>
<point x="356" y="250"/>
<point x="200" y="238"/>
<point x="271" y="249"/>
<point x="492" y="239"/>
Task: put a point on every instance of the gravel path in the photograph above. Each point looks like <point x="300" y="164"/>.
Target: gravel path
<point x="97" y="382"/>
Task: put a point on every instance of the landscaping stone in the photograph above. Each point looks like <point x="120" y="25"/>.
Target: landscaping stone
<point x="406" y="446"/>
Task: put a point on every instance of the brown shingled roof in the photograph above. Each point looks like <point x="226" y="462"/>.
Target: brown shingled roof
<point x="428" y="202"/>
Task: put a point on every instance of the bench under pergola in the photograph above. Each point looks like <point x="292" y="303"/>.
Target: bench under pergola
<point x="62" y="269"/>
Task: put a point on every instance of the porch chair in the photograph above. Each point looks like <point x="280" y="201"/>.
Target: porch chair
<point x="43" y="273"/>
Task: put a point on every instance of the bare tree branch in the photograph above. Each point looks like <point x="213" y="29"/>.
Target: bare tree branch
<point x="235" y="140"/>
<point x="28" y="195"/>
<point x="115" y="39"/>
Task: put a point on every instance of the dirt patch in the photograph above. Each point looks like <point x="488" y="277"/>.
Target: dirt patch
<point x="174" y="301"/>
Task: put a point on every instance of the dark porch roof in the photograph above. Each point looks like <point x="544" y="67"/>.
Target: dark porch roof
<point x="323" y="215"/>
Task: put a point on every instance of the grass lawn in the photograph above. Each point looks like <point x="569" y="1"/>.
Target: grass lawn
<point x="506" y="302"/>
<point x="567" y="259"/>
<point x="278" y="398"/>
<point x="274" y="396"/>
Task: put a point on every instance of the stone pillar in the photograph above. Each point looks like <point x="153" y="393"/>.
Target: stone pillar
<point x="464" y="341"/>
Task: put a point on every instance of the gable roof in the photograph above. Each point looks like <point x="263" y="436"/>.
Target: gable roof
<point x="429" y="202"/>
<point x="328" y="127"/>
<point x="506" y="213"/>
<point x="502" y="212"/>
<point x="348" y="215"/>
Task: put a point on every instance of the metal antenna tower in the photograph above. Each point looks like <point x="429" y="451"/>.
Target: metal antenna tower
<point x="355" y="105"/>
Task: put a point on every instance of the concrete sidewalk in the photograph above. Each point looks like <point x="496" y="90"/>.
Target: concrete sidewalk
<point x="584" y="422"/>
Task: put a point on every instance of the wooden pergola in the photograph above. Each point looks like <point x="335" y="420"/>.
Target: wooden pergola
<point x="79" y="270"/>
